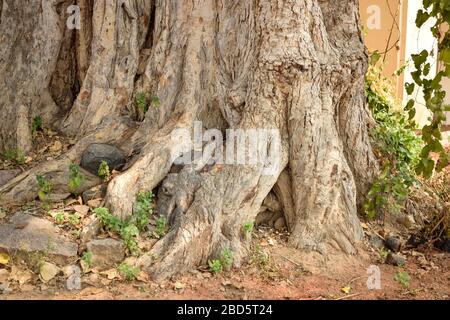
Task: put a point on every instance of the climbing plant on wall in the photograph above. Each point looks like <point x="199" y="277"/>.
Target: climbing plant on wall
<point x="437" y="11"/>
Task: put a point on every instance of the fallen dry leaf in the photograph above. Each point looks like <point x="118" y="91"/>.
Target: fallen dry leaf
<point x="4" y="258"/>
<point x="111" y="274"/>
<point x="179" y="286"/>
<point x="57" y="146"/>
<point x="94" y="203"/>
<point x="85" y="266"/>
<point x="81" y="209"/>
<point x="346" y="290"/>
<point x="143" y="277"/>
<point x="4" y="275"/>
<point x="21" y="276"/>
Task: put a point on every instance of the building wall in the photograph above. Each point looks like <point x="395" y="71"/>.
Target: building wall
<point x="390" y="24"/>
<point x="384" y="25"/>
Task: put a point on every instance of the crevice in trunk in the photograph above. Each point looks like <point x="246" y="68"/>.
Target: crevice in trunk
<point x="64" y="85"/>
<point x="1" y="9"/>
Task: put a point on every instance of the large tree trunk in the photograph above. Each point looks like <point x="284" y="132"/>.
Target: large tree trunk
<point x="296" y="67"/>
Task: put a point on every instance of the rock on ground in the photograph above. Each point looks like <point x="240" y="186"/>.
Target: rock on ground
<point x="106" y="253"/>
<point x="395" y="259"/>
<point x="73" y="275"/>
<point x="94" y="193"/>
<point x="280" y="224"/>
<point x="96" y="153"/>
<point x="91" y="228"/>
<point x="47" y="271"/>
<point x="393" y="243"/>
<point x="30" y="234"/>
<point x="376" y="242"/>
<point x="7" y="175"/>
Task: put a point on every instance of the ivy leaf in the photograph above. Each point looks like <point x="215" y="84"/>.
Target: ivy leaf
<point x="416" y="77"/>
<point x="426" y="69"/>
<point x="421" y="18"/>
<point x="420" y="59"/>
<point x="428" y="166"/>
<point x="410" y="88"/>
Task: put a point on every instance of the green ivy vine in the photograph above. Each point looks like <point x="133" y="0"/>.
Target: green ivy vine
<point x="434" y="95"/>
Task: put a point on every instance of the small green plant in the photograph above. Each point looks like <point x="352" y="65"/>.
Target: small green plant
<point x="143" y="209"/>
<point x="141" y="102"/>
<point x="109" y="221"/>
<point x="87" y="258"/>
<point x="75" y="233"/>
<point x="103" y="171"/>
<point x="44" y="190"/>
<point x="226" y="258"/>
<point x="394" y="142"/>
<point x="126" y="230"/>
<point x="161" y="226"/>
<point x="155" y="101"/>
<point x="247" y="227"/>
<point x="9" y="155"/>
<point x="129" y="233"/>
<point x="383" y="254"/>
<point x="403" y="278"/>
<point x="74" y="219"/>
<point x="130" y="273"/>
<point x="260" y="258"/>
<point x="36" y="125"/>
<point x="76" y="178"/>
<point x="17" y="156"/>
<point x="215" y="266"/>
<point x="60" y="218"/>
<point x="20" y="157"/>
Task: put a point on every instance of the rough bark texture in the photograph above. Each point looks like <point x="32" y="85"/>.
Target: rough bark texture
<point x="30" y="37"/>
<point x="294" y="66"/>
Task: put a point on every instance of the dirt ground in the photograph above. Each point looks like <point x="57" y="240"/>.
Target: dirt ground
<point x="285" y="275"/>
<point x="273" y="271"/>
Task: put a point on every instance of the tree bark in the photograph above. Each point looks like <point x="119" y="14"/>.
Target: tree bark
<point x="296" y="67"/>
<point x="31" y="36"/>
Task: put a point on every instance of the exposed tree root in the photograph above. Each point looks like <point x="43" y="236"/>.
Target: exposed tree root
<point x="271" y="65"/>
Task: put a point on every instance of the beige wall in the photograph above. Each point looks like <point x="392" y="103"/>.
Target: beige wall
<point x="446" y="87"/>
<point x="385" y="27"/>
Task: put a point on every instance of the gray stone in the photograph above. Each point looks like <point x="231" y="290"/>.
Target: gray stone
<point x="276" y="215"/>
<point x="395" y="259"/>
<point x="376" y="242"/>
<point x="393" y="243"/>
<point x="263" y="218"/>
<point x="280" y="224"/>
<point x="90" y="229"/>
<point x="106" y="253"/>
<point x="73" y="275"/>
<point x="30" y="234"/>
<point x="5" y="289"/>
<point x="96" y="153"/>
<point x="7" y="175"/>
<point x="94" y="193"/>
